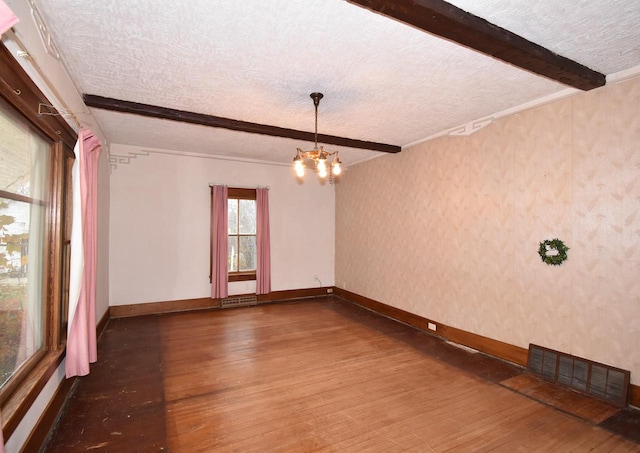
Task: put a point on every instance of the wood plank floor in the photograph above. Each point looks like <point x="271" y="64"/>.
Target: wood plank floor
<point x="317" y="375"/>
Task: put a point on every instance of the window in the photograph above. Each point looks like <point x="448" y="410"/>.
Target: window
<point x="35" y="163"/>
<point x="241" y="234"/>
<point x="24" y="184"/>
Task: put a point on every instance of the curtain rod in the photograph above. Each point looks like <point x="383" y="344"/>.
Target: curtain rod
<point x="211" y="184"/>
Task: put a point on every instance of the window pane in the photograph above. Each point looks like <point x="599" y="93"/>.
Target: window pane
<point x="24" y="172"/>
<point x="247" y="259"/>
<point x="232" y="211"/>
<point x="25" y="157"/>
<point x="232" y="264"/>
<point x="247" y="216"/>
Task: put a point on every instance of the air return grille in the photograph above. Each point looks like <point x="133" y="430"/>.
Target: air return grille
<point x="595" y="379"/>
<point x="238" y="301"/>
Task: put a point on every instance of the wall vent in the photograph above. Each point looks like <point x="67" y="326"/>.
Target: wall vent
<point x="591" y="378"/>
<point x="239" y="301"/>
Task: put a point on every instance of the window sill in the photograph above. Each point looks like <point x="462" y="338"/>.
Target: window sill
<point x="242" y="276"/>
<point x="18" y="403"/>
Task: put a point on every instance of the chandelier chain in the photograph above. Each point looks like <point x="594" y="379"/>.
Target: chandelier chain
<point x="316" y="102"/>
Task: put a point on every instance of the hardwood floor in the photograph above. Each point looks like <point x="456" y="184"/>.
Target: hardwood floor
<point x="317" y="375"/>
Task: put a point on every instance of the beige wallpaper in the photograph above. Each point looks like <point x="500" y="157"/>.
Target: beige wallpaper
<point x="449" y="229"/>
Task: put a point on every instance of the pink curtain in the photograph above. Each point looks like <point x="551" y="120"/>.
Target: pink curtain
<point x="263" y="243"/>
<point x="81" y="335"/>
<point x="7" y="19"/>
<point x="219" y="242"/>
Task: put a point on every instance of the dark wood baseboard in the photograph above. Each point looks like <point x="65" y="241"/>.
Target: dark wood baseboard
<point x="102" y="324"/>
<point x="280" y="296"/>
<point x="154" y="308"/>
<point x="47" y="420"/>
<point x="17" y="405"/>
<point x="495" y="348"/>
<point x="634" y="395"/>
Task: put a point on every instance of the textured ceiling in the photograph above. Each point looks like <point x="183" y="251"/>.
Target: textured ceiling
<point x="258" y="61"/>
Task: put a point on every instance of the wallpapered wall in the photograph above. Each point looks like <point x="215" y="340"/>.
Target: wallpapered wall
<point x="450" y="228"/>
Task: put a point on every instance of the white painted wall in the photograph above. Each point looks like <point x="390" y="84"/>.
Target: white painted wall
<point x="102" y="276"/>
<point x="159" y="224"/>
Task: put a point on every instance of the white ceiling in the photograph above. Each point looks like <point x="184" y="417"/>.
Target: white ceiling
<point x="258" y="61"/>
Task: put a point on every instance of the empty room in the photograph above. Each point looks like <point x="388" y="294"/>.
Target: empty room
<point x="337" y="225"/>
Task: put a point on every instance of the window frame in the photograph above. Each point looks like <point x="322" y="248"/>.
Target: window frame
<point x="238" y="193"/>
<point x="23" y="96"/>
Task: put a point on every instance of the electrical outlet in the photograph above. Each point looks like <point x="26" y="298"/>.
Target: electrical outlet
<point x="431" y="326"/>
<point x="329" y="290"/>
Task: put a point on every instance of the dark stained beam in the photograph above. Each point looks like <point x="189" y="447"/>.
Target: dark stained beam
<point x="447" y="21"/>
<point x="225" y="123"/>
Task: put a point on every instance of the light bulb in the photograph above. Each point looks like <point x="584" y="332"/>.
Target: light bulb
<point x="299" y="167"/>
<point x="336" y="168"/>
<point x="322" y="171"/>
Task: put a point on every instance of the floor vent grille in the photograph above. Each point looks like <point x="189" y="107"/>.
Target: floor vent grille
<point x="239" y="301"/>
<point x="591" y="378"/>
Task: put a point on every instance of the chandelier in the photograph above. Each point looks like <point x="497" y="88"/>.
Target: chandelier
<point x="317" y="155"/>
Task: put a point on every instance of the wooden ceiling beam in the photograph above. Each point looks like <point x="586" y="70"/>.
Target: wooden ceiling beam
<point x="450" y="22"/>
<point x="154" y="111"/>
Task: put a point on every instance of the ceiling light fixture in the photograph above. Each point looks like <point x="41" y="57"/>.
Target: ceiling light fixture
<point x="317" y="155"/>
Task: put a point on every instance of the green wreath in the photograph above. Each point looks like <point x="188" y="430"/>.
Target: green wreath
<point x="553" y="244"/>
